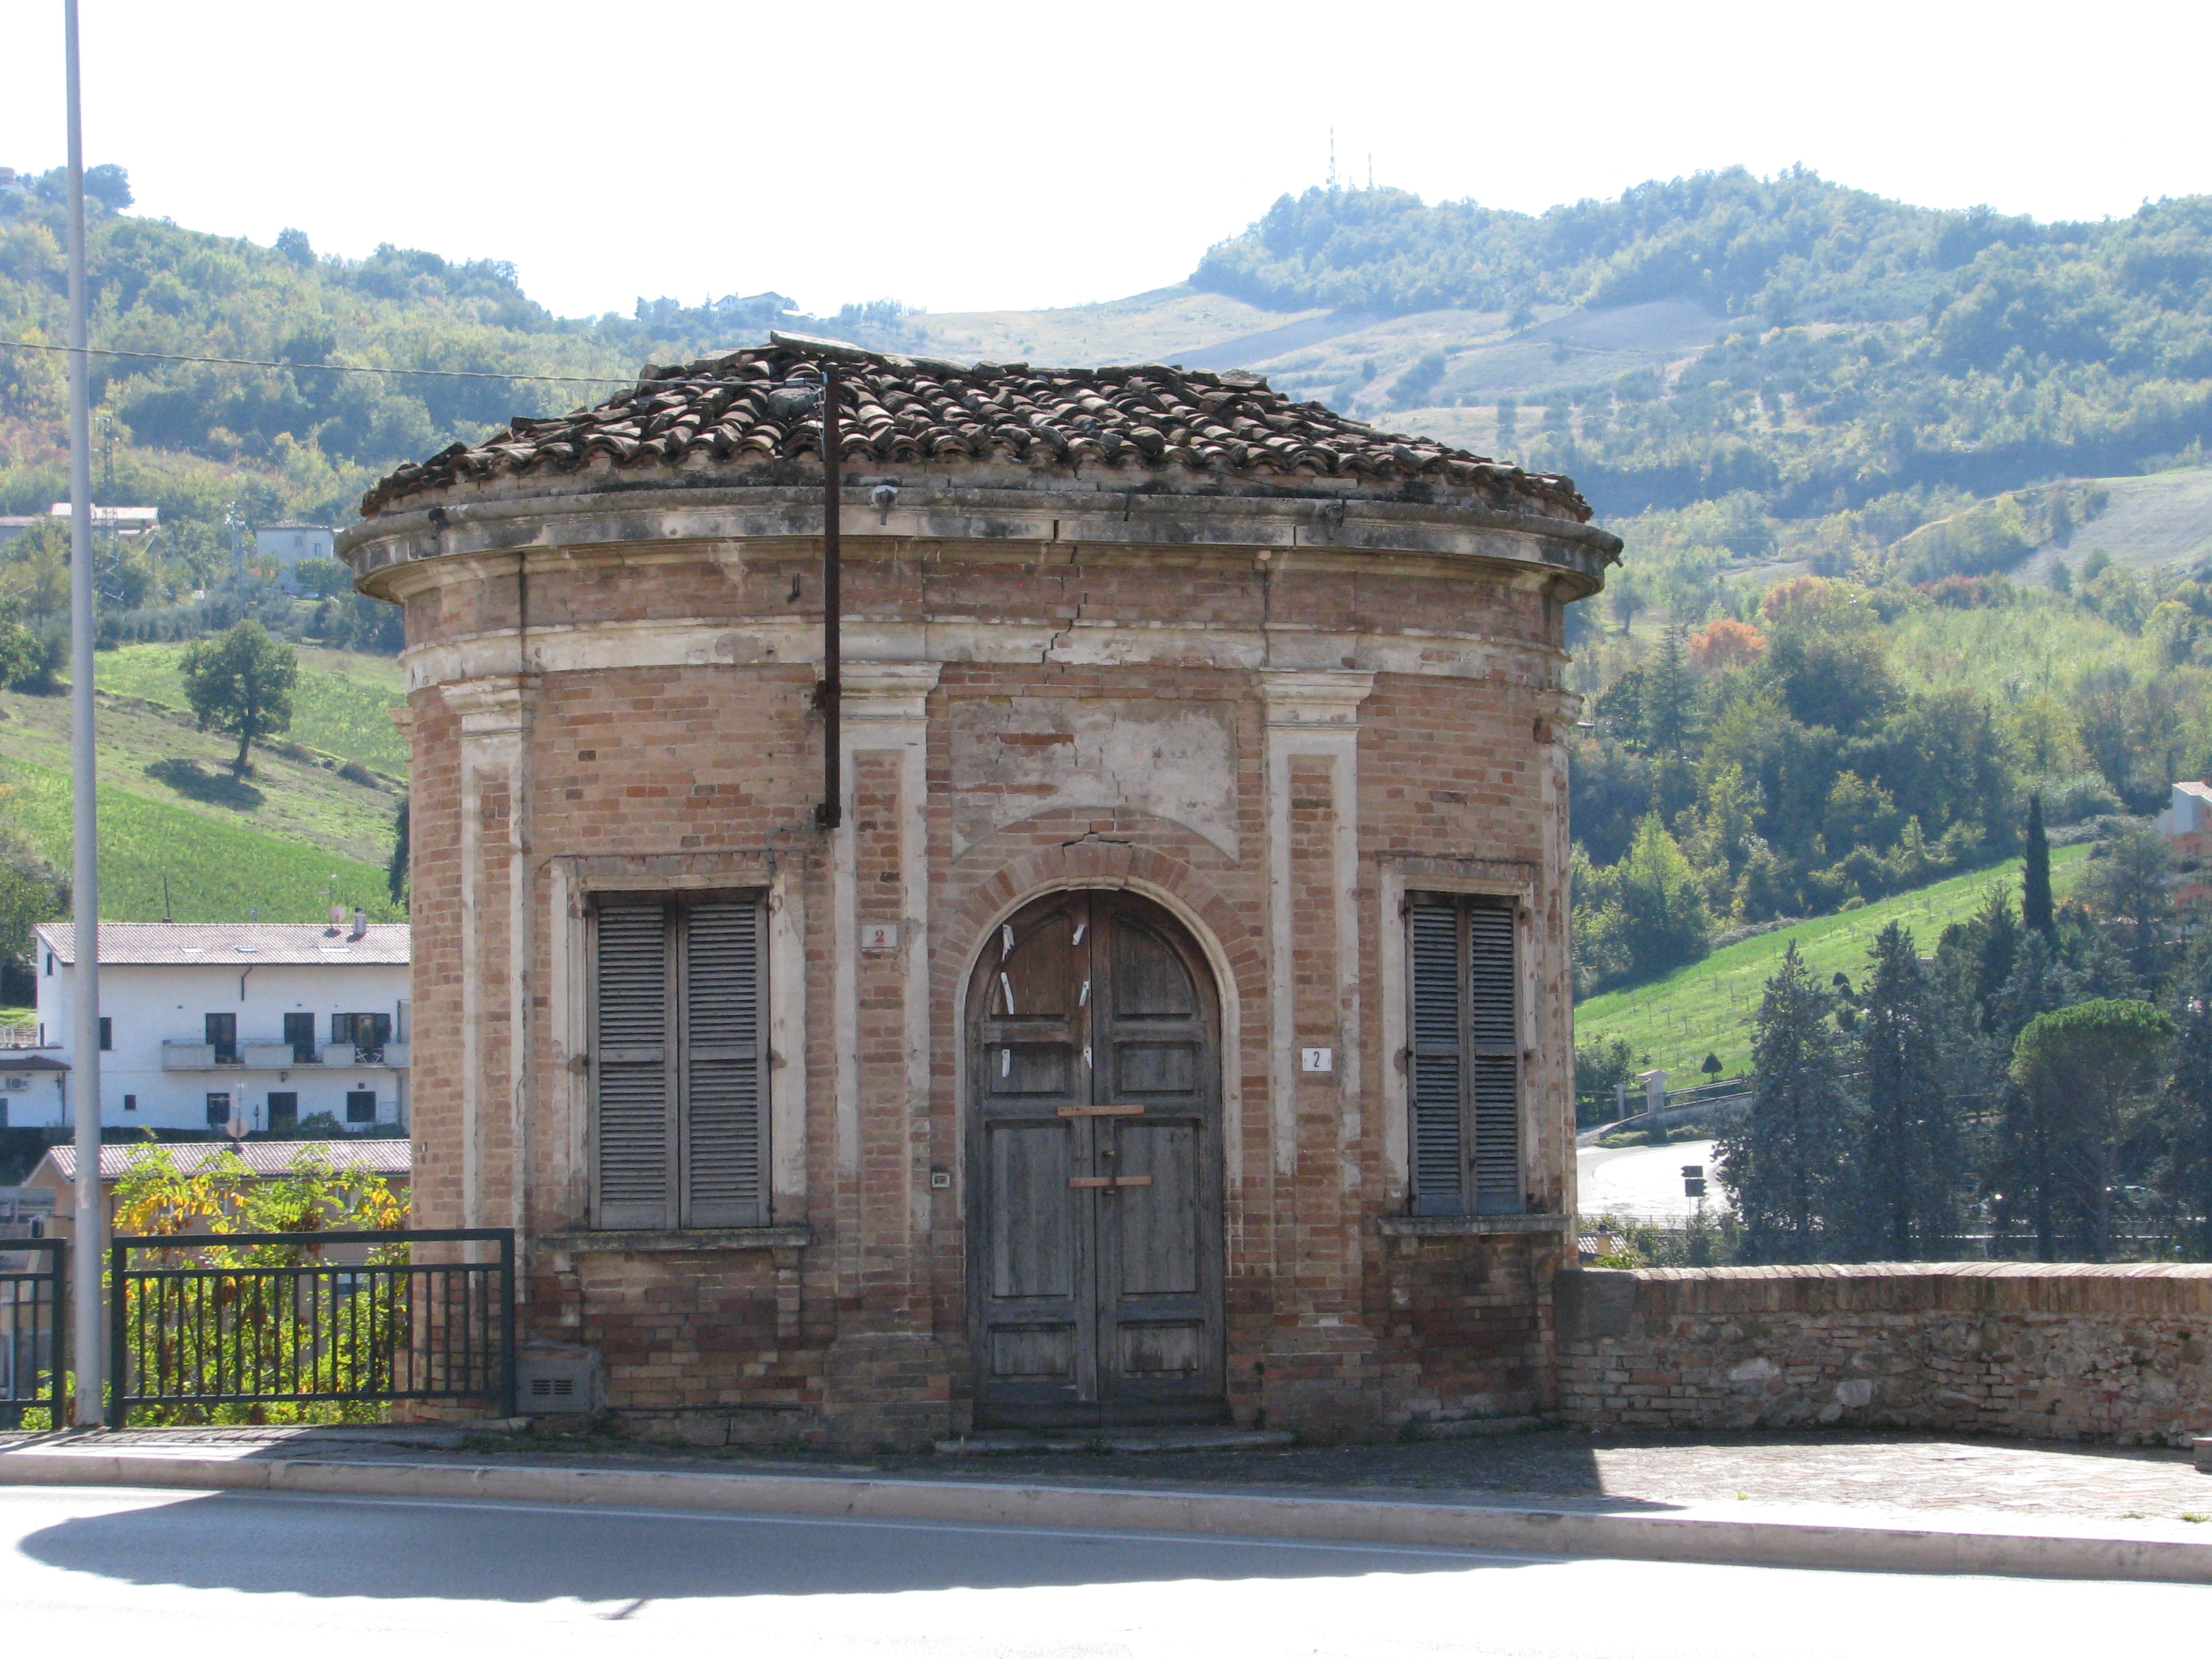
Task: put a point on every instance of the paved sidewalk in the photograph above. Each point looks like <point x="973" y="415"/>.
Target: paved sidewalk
<point x="1877" y="1503"/>
<point x="1557" y="1468"/>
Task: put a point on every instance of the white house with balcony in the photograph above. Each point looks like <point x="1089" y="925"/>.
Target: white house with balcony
<point x="205" y="1024"/>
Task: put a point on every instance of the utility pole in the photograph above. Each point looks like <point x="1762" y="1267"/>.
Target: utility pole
<point x="88" y="1242"/>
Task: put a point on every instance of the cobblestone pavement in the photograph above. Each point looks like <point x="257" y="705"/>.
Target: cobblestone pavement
<point x="1555" y="1467"/>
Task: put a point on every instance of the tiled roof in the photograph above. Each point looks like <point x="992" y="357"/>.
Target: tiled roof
<point x="232" y="943"/>
<point x="383" y="1155"/>
<point x="763" y="405"/>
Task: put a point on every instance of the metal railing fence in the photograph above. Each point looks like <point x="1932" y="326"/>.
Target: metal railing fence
<point x="259" y="1324"/>
<point x="34" y="1327"/>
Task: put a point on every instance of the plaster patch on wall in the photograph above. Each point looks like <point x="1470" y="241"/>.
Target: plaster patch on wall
<point x="1015" y="758"/>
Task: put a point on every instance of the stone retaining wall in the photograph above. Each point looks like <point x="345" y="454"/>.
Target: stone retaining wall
<point x="2068" y="1352"/>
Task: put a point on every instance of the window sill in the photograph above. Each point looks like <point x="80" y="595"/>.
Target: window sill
<point x="1463" y="1226"/>
<point x="656" y="1242"/>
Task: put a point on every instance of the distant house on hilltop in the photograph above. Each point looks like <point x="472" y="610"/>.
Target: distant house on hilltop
<point x="115" y="520"/>
<point x="2187" y="823"/>
<point x="290" y="540"/>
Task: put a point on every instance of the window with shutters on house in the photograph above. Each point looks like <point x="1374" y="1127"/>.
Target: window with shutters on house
<point x="1464" y="1067"/>
<point x="679" y="1060"/>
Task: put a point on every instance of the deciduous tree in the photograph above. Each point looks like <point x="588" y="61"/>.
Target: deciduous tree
<point x="2085" y="1071"/>
<point x="241" y="682"/>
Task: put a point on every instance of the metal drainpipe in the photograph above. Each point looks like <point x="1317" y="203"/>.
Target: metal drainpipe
<point x="831" y="813"/>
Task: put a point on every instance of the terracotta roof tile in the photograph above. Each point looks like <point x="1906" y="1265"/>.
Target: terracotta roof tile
<point x="763" y="405"/>
<point x="383" y="1155"/>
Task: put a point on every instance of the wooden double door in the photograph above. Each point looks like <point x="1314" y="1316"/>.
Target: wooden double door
<point x="1094" y="1158"/>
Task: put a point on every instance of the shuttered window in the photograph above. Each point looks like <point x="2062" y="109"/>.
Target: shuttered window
<point x="1464" y="1067"/>
<point x="678" y="1062"/>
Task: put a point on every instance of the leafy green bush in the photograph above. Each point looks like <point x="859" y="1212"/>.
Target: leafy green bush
<point x="250" y="1331"/>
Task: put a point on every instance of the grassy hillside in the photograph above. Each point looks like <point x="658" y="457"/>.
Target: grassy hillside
<point x="147" y="753"/>
<point x="217" y="872"/>
<point x="342" y="704"/>
<point x="1708" y="1008"/>
<point x="2165" y="518"/>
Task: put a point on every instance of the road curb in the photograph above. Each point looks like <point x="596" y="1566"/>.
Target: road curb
<point x="1875" y="1545"/>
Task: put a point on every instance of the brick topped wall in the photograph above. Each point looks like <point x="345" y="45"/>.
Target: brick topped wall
<point x="2053" y="1352"/>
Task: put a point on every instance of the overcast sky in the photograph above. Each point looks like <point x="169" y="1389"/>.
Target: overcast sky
<point x="986" y="154"/>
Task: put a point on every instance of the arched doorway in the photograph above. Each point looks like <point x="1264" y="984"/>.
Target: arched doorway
<point x="1094" y="1169"/>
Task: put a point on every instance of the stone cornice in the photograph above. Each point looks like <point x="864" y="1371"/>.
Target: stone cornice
<point x="797" y="641"/>
<point x="1307" y="698"/>
<point x="883" y="693"/>
<point x="493" y="705"/>
<point x="1099" y="521"/>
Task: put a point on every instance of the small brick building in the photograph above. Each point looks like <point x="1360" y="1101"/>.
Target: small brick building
<point x="1176" y="1028"/>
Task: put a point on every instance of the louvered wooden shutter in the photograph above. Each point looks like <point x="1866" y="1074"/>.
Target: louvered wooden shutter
<point x="1438" y="1095"/>
<point x="632" y="1052"/>
<point x="724" y="1074"/>
<point x="1465" y="1064"/>
<point x="1495" y="1083"/>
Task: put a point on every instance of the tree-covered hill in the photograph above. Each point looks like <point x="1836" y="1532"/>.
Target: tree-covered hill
<point x="189" y="437"/>
<point x="1866" y="347"/>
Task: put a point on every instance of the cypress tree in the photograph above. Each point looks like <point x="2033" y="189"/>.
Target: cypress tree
<point x="2035" y="877"/>
<point x="1787" y="1166"/>
<point x="1667" y="696"/>
<point x="1911" y="1160"/>
<point x="395" y="872"/>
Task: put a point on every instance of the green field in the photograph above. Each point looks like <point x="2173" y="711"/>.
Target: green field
<point x="215" y="872"/>
<point x="1707" y="1007"/>
<point x="342" y="704"/>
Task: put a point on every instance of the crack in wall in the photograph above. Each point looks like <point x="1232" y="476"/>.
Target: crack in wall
<point x="1059" y="635"/>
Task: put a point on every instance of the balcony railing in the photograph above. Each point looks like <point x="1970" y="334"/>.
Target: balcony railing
<point x="257" y="1054"/>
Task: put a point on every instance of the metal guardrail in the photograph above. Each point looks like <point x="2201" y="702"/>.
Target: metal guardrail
<point x="260" y="1328"/>
<point x="34" y="1327"/>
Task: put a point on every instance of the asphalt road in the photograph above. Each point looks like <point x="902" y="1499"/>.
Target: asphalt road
<point x="145" y="1573"/>
<point x="1644" y="1182"/>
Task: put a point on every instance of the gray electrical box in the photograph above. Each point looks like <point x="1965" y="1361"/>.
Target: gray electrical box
<point x="556" y="1383"/>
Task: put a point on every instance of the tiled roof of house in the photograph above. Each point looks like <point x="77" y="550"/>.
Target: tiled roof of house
<point x="383" y="1155"/>
<point x="232" y="943"/>
<point x="763" y="405"/>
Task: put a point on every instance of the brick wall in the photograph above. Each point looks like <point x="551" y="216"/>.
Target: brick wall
<point x="2067" y="1352"/>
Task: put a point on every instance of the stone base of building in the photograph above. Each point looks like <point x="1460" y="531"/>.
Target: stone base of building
<point x="725" y="1347"/>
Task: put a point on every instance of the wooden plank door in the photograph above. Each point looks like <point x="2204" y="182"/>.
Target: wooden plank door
<point x="1158" y="1228"/>
<point x="1094" y="1199"/>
